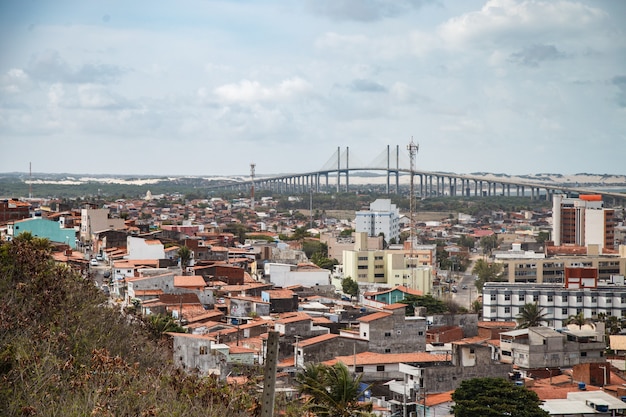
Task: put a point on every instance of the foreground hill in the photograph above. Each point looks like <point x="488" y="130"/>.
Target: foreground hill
<point x="63" y="352"/>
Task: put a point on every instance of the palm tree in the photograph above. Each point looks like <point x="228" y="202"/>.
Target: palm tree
<point x="530" y="315"/>
<point x="332" y="391"/>
<point x="579" y="320"/>
<point x="184" y="253"/>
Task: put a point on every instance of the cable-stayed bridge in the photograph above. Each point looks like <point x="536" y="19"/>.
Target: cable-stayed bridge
<point x="393" y="165"/>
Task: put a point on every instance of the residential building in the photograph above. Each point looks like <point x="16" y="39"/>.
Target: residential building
<point x="97" y="220"/>
<point x="13" y="210"/>
<point x="552" y="269"/>
<point x="582" y="221"/>
<point x="285" y="275"/>
<point x="543" y="347"/>
<point x="502" y="301"/>
<point x="139" y="248"/>
<point x="412" y="268"/>
<point x="390" y="331"/>
<point x="44" y="228"/>
<point x="382" y="217"/>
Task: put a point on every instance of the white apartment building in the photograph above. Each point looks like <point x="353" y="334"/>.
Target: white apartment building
<point x="382" y="217"/>
<point x="582" y="221"/>
<point x="502" y="301"/>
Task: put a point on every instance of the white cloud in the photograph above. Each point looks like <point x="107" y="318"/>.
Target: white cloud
<point x="247" y="91"/>
<point x="521" y="20"/>
<point x="15" y="81"/>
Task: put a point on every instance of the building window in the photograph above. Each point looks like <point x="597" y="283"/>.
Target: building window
<point x="623" y="299"/>
<point x="507" y="297"/>
<point x="364" y="334"/>
<point x="203" y="350"/>
<point x="387" y="334"/>
<point x="535" y="298"/>
<point x="387" y="350"/>
<point x="564" y="311"/>
<point x="582" y="354"/>
<point x="420" y="333"/>
<point x="493" y="297"/>
<point x="380" y="368"/>
<point x="359" y="369"/>
<point x="550" y="298"/>
<point x="507" y="310"/>
<point x="579" y="298"/>
<point x="594" y="299"/>
<point x="609" y="300"/>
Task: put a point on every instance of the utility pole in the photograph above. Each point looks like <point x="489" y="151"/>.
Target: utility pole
<point x="269" y="380"/>
<point x="252" y="167"/>
<point x="412" y="148"/>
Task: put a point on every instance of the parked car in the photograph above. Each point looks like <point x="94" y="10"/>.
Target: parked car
<point x="93" y="262"/>
<point x="99" y="257"/>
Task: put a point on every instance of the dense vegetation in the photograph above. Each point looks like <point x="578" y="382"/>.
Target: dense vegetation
<point x="491" y="397"/>
<point x="64" y="352"/>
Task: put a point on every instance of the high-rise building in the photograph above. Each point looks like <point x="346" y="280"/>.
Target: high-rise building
<point x="582" y="221"/>
<point x="382" y="217"/>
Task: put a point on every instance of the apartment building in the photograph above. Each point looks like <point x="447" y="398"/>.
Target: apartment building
<point x="582" y="221"/>
<point x="382" y="217"/>
<point x="541" y="269"/>
<point x="543" y="347"/>
<point x="502" y="301"/>
<point x="410" y="268"/>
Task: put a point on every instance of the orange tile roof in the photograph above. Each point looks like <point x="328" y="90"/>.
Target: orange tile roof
<point x="436" y="399"/>
<point x="372" y="358"/>
<point x="294" y="319"/>
<point x="395" y="306"/>
<point x="497" y="324"/>
<point x="470" y="340"/>
<point x="547" y="391"/>
<point x="317" y="339"/>
<point x="375" y="316"/>
<point x="189" y="281"/>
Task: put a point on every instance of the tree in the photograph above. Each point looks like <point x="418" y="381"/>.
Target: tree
<point x="579" y="320"/>
<point x="495" y="397"/>
<point x="542" y="237"/>
<point x="489" y="243"/>
<point x="487" y="272"/>
<point x="184" y="254"/>
<point x="332" y="391"/>
<point x="432" y="304"/>
<point x="530" y="315"/>
<point x="350" y="287"/>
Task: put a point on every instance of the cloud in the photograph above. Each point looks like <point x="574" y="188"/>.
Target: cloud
<point x="363" y="10"/>
<point x="50" y="66"/>
<point x="532" y="55"/>
<point x="247" y="91"/>
<point x="502" y="20"/>
<point x="620" y="82"/>
<point x="15" y="81"/>
<point x="367" y="86"/>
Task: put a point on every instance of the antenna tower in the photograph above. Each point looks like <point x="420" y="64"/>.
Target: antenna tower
<point x="412" y="148"/>
<point x="252" y="166"/>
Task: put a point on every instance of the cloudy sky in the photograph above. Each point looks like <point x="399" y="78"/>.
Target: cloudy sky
<point x="207" y="87"/>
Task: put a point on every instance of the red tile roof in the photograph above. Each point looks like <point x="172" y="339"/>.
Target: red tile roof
<point x="372" y="358"/>
<point x="375" y="316"/>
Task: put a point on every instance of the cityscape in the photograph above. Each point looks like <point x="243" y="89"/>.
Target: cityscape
<point x="320" y="208"/>
<point x="414" y="302"/>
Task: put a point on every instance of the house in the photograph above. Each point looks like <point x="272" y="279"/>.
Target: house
<point x="325" y="347"/>
<point x="391" y="295"/>
<point x="390" y="331"/>
<point x="281" y="301"/>
<point x="543" y="347"/>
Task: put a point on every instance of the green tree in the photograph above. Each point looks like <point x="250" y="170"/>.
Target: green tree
<point x="530" y="315"/>
<point x="324" y="262"/>
<point x="466" y="242"/>
<point x="162" y="323"/>
<point x="487" y="272"/>
<point x="350" y="287"/>
<point x="184" y="254"/>
<point x="495" y="397"/>
<point x="489" y="243"/>
<point x="542" y="237"/>
<point x="579" y="320"/>
<point x="432" y="304"/>
<point x="332" y="391"/>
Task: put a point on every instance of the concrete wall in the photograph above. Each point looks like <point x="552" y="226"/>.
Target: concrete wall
<point x="468" y="322"/>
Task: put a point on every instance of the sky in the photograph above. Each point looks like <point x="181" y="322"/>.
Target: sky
<point x="209" y="87"/>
